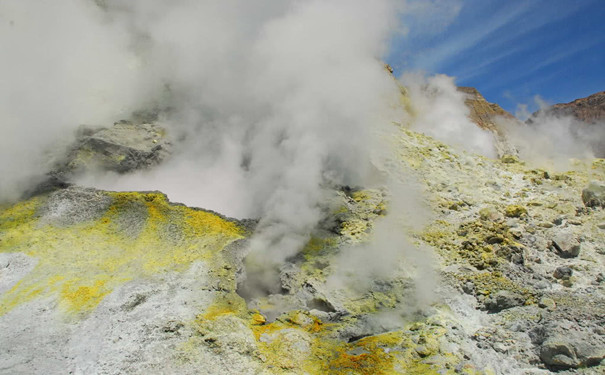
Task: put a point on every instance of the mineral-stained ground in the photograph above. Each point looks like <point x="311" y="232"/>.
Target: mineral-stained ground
<point x="99" y="282"/>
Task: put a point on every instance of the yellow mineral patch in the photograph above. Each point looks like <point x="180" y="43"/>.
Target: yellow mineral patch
<point x="315" y="245"/>
<point x="515" y="210"/>
<point x="81" y="298"/>
<point x="488" y="283"/>
<point x="299" y="343"/>
<point x="227" y="304"/>
<point x="80" y="264"/>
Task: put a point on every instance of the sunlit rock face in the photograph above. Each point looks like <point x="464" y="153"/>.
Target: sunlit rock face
<point x="483" y="113"/>
<point x="488" y="116"/>
<point x="127" y="282"/>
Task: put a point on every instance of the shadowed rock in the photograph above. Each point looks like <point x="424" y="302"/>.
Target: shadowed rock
<point x="594" y="195"/>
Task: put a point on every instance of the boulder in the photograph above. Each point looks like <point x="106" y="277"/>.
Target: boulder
<point x="594" y="194"/>
<point x="122" y="148"/>
<point x="566" y="244"/>
<point x="563" y="272"/>
<point x="568" y="351"/>
<point x="502" y="300"/>
<point x="515" y="210"/>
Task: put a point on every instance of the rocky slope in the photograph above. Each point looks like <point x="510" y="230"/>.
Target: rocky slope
<point x="112" y="283"/>
<point x="483" y="113"/>
<point x="590" y="109"/>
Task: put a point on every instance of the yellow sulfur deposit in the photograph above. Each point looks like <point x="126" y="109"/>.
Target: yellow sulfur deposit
<point x="82" y="263"/>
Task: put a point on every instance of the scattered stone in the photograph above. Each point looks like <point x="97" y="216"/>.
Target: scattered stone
<point x="134" y="301"/>
<point x="566" y="244"/>
<point x="490" y="213"/>
<point x="516" y="232"/>
<point x="547" y="303"/>
<point x="517" y="258"/>
<point x="559" y="220"/>
<point x="468" y="288"/>
<point x="422" y="351"/>
<point x="509" y="159"/>
<point x="594" y="195"/>
<point x="601" y="225"/>
<point x="515" y="210"/>
<point x="502" y="300"/>
<point x="563" y="272"/>
<point x="172" y="327"/>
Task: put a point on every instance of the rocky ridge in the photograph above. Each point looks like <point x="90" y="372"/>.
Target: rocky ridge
<point x="108" y="282"/>
<point x="590" y="109"/>
<point x="486" y="116"/>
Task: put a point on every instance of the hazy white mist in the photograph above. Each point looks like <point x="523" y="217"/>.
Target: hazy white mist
<point x="269" y="103"/>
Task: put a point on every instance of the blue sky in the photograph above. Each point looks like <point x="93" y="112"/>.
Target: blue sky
<point x="510" y="50"/>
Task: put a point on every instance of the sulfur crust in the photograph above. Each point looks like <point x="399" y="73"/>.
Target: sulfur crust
<point x="82" y="263"/>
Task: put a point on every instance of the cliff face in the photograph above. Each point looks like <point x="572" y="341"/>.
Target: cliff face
<point x="486" y="115"/>
<point x="483" y="113"/>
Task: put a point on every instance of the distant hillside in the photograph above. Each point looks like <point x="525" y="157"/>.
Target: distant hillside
<point x="590" y="109"/>
<point x="590" y="113"/>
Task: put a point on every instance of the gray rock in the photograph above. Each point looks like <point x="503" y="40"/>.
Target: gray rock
<point x="547" y="303"/>
<point x="566" y="244"/>
<point x="563" y="352"/>
<point x="122" y="148"/>
<point x="563" y="272"/>
<point x="74" y="205"/>
<point x="594" y="194"/>
<point x="503" y="300"/>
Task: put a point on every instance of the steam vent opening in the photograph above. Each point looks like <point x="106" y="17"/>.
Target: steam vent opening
<point x="260" y="283"/>
<point x="273" y="187"/>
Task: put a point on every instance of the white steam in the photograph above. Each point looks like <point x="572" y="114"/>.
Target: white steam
<point x="60" y="67"/>
<point x="274" y="99"/>
<point x="551" y="140"/>
<point x="440" y="112"/>
<point x="269" y="102"/>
